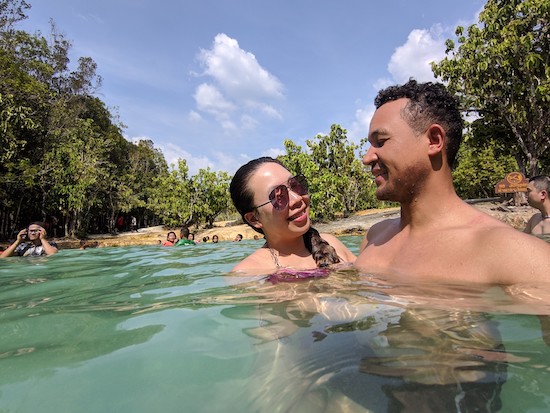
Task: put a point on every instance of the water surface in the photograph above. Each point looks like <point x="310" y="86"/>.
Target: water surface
<point x="141" y="329"/>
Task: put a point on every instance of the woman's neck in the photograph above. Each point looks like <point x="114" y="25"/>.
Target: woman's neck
<point x="287" y="247"/>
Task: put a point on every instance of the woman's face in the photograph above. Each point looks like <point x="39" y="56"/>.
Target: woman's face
<point x="215" y="238"/>
<point x="171" y="237"/>
<point x="289" y="222"/>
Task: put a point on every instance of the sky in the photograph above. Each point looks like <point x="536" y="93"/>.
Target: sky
<point x="220" y="82"/>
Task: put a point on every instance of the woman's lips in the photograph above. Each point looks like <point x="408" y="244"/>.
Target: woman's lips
<point x="299" y="217"/>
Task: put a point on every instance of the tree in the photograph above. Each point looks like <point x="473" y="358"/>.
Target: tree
<point x="338" y="181"/>
<point x="171" y="197"/>
<point x="502" y="71"/>
<point x="484" y="158"/>
<point x="210" y="195"/>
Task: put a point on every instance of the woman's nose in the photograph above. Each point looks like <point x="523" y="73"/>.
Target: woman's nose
<point x="294" y="198"/>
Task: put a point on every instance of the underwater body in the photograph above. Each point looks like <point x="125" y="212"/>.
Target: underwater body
<point x="147" y="328"/>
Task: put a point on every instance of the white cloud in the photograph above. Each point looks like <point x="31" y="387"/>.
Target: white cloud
<point x="210" y="99"/>
<point x="220" y="161"/>
<point x="382" y="83"/>
<point x="248" y="122"/>
<point x="239" y="87"/>
<point x="225" y="162"/>
<point x="172" y="153"/>
<point x="238" y="72"/>
<point x="274" y="152"/>
<point x="413" y="59"/>
<point x="360" y="127"/>
<point x="194" y="116"/>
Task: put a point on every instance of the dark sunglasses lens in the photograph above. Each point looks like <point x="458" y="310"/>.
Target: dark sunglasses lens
<point x="279" y="197"/>
<point x="298" y="184"/>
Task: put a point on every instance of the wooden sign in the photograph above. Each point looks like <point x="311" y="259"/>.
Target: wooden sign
<point x="512" y="182"/>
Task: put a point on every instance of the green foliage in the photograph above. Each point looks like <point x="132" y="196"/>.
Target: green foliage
<point x="339" y="184"/>
<point x="210" y="195"/>
<point x="501" y="70"/>
<point x="171" y="197"/>
<point x="482" y="162"/>
<point x="63" y="155"/>
<point x="15" y="122"/>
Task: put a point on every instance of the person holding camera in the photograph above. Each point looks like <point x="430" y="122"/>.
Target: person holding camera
<point x="31" y="241"/>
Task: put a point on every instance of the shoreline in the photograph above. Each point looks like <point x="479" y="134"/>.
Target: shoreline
<point x="356" y="224"/>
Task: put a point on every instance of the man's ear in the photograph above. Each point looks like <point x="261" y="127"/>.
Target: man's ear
<point x="436" y="136"/>
<point x="544" y="194"/>
<point x="252" y="219"/>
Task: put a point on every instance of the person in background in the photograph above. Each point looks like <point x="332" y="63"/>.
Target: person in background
<point x="85" y="244"/>
<point x="184" y="238"/>
<point x="538" y="197"/>
<point x="119" y="226"/>
<point x="238" y="237"/>
<point x="191" y="236"/>
<point x="215" y="239"/>
<point x="276" y="204"/>
<point x="171" y="239"/>
<point x="133" y="225"/>
<point x="31" y="241"/>
<point x="414" y="136"/>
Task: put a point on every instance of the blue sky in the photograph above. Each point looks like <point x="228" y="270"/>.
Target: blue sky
<point x="219" y="82"/>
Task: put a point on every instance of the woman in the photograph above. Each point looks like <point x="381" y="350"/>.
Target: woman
<point x="276" y="204"/>
<point x="170" y="239"/>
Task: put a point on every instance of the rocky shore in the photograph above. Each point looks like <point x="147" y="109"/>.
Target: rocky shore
<point x="357" y="224"/>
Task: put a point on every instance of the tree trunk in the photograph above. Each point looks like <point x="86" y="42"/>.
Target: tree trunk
<point x="533" y="166"/>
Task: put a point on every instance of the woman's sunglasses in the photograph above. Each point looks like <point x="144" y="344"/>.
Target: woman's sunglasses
<point x="279" y="197"/>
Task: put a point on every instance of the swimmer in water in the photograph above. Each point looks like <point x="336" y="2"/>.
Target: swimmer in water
<point x="276" y="204"/>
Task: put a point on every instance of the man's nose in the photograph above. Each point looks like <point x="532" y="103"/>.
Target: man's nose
<point x="370" y="157"/>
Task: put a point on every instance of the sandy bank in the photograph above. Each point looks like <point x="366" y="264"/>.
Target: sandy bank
<point x="357" y="224"/>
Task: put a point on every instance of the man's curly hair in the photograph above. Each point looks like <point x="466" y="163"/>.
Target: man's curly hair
<point x="429" y="103"/>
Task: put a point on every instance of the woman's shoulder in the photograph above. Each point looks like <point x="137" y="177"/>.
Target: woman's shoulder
<point x="342" y="251"/>
<point x="329" y="238"/>
<point x="259" y="261"/>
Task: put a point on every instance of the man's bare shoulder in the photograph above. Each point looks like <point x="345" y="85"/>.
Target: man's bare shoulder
<point x="386" y="227"/>
<point x="512" y="255"/>
<point x="466" y="245"/>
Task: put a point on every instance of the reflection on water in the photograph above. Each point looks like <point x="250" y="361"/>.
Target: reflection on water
<point x="164" y="329"/>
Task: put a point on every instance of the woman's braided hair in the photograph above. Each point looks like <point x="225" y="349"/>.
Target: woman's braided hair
<point x="322" y="252"/>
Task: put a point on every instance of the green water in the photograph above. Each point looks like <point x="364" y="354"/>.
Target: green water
<point x="153" y="329"/>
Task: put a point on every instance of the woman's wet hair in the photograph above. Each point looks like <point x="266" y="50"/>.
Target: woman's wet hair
<point x="323" y="253"/>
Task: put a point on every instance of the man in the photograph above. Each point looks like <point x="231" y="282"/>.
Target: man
<point x="415" y="134"/>
<point x="184" y="238"/>
<point x="537" y="196"/>
<point x="31" y="241"/>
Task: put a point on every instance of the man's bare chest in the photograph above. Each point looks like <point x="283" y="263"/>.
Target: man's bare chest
<point x="439" y="254"/>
